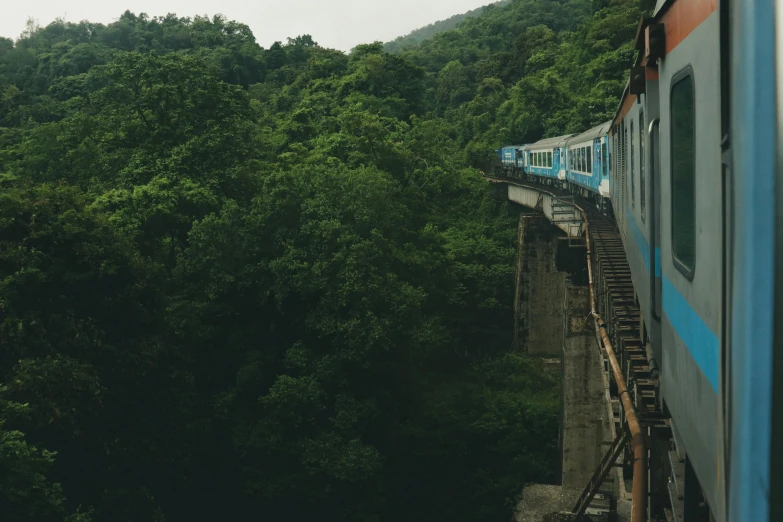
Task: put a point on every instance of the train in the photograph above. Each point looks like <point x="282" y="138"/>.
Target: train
<point x="690" y="168"/>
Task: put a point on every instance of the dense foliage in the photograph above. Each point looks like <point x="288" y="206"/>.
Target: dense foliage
<point x="242" y="282"/>
<point x="417" y="36"/>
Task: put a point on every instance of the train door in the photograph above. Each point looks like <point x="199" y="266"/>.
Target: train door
<point x="561" y="173"/>
<point x="655" y="219"/>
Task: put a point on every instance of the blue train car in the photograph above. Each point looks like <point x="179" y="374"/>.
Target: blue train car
<point x="753" y="134"/>
<point x="693" y="167"/>
<point x="509" y="161"/>
<point x="587" y="161"/>
<point x="546" y="158"/>
<point x="509" y="155"/>
<point x="695" y="195"/>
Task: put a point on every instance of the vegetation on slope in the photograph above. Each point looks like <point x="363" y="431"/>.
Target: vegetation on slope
<point x="242" y="282"/>
<point x="417" y="36"/>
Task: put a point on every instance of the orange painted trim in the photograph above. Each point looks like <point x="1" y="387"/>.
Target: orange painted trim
<point x="683" y="17"/>
<point x="680" y="19"/>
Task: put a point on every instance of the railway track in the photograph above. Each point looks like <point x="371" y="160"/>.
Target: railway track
<point x="617" y="303"/>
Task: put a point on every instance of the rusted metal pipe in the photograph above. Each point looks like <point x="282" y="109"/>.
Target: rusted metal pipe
<point x="638" y="442"/>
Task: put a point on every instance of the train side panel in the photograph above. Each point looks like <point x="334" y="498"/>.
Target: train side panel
<point x="691" y="246"/>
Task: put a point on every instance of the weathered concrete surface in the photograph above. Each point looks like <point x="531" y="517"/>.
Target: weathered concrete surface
<point x="583" y="411"/>
<point x="540" y="303"/>
<point x="539" y="501"/>
<point x="585" y="427"/>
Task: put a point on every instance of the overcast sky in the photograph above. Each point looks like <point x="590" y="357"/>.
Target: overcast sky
<point x="339" y="24"/>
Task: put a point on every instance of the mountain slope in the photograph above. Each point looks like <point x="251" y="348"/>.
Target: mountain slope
<point x="403" y="42"/>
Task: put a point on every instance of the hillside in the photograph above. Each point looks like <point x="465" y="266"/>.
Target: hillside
<point x="401" y="43"/>
<point x="242" y="282"/>
<point x="530" y="69"/>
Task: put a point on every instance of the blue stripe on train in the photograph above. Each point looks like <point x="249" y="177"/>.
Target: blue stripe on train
<point x="701" y="342"/>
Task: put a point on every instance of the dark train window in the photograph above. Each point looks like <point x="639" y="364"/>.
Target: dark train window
<point x="549" y="159"/>
<point x="589" y="160"/>
<point x="605" y="162"/>
<point x="642" y="193"/>
<point x="683" y="157"/>
<point x="633" y="171"/>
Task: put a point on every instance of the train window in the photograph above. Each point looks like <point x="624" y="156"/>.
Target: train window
<point x="633" y="172"/>
<point x="589" y="160"/>
<point x="683" y="173"/>
<point x="642" y="187"/>
<point x="605" y="162"/>
<point x="549" y="160"/>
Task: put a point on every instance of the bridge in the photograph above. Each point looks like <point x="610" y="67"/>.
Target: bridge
<point x="628" y="374"/>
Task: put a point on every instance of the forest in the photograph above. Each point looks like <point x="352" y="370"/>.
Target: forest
<point x="402" y="43"/>
<point x="243" y="283"/>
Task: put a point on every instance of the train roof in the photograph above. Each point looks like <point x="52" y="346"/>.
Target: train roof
<point x="549" y="143"/>
<point x="595" y="132"/>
